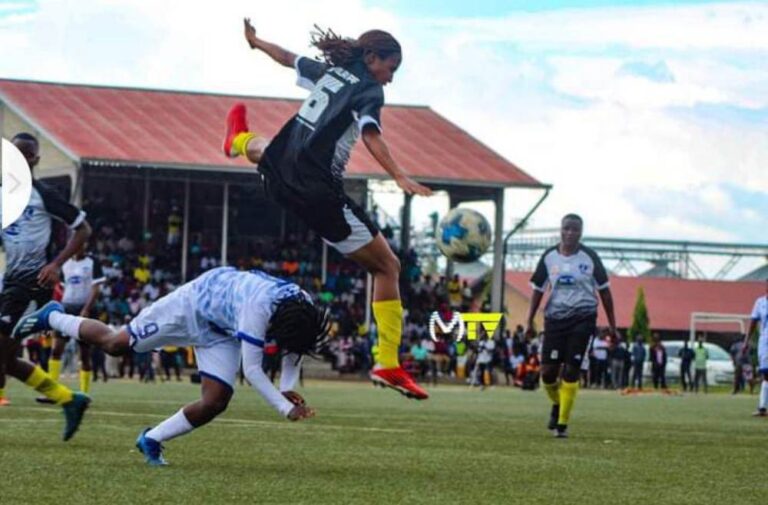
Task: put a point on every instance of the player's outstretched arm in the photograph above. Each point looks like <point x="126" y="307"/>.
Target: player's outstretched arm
<point x="536" y="298"/>
<point x="253" y="357"/>
<point x="607" y="298"/>
<point x="380" y="151"/>
<point x="282" y="56"/>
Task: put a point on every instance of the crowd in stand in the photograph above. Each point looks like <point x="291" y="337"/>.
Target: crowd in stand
<point x="141" y="269"/>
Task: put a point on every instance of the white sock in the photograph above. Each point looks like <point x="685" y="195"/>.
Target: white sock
<point x="763" y="395"/>
<point x="67" y="324"/>
<point x="173" y="427"/>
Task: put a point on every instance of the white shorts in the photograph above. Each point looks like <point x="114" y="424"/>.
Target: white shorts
<point x="762" y="354"/>
<point x="167" y="322"/>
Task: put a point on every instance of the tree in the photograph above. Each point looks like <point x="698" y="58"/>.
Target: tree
<point x="641" y="323"/>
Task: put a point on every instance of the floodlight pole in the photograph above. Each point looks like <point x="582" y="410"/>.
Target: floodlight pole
<point x="514" y="230"/>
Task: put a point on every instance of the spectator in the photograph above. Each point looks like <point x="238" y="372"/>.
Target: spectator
<point x="600" y="353"/>
<point x="618" y="357"/>
<point x="454" y="292"/>
<point x="466" y="297"/>
<point x="420" y="357"/>
<point x="658" y="363"/>
<point x="686" y="356"/>
<point x="168" y="360"/>
<point x="638" y="358"/>
<point x="484" y="366"/>
<point x="738" y="373"/>
<point x="98" y="362"/>
<point x="700" y="362"/>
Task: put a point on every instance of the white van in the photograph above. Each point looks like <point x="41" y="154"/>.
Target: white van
<point x="720" y="368"/>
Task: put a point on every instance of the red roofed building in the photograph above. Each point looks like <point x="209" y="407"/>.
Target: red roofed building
<point x="670" y="301"/>
<point x="136" y="144"/>
<point x="139" y="127"/>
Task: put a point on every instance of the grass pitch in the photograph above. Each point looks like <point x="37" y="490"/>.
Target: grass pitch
<point x="372" y="446"/>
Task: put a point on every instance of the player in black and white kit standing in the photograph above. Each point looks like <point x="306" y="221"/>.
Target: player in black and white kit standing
<point x="30" y="275"/>
<point x="575" y="275"/>
<point x="303" y="165"/>
<point x="83" y="278"/>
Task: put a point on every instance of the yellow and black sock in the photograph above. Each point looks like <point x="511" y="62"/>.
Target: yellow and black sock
<point x="553" y="392"/>
<point x="54" y="368"/>
<point x="42" y="382"/>
<point x="85" y="381"/>
<point x="568" y="392"/>
<point x="389" y="321"/>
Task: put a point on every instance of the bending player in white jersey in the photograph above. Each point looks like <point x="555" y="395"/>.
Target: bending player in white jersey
<point x="222" y="313"/>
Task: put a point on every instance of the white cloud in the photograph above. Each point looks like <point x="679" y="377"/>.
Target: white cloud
<point x="544" y="89"/>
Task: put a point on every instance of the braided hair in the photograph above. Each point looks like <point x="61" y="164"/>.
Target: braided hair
<point x="298" y="326"/>
<point x="341" y="51"/>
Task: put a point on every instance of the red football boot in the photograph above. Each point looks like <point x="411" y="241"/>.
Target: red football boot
<point x="237" y="123"/>
<point x="399" y="380"/>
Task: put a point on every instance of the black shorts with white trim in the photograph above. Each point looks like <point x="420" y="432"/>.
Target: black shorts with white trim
<point x="317" y="199"/>
<point x="567" y="340"/>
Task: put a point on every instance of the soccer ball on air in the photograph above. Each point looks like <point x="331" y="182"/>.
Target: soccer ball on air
<point x="463" y="235"/>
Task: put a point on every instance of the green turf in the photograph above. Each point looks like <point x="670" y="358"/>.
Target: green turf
<point x="373" y="446"/>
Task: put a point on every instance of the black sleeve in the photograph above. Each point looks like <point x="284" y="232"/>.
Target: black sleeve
<point x="308" y="71"/>
<point x="58" y="207"/>
<point x="599" y="272"/>
<point x="367" y="104"/>
<point x="540" y="277"/>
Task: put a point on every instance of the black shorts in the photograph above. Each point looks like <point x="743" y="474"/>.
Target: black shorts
<point x="568" y="340"/>
<point x="318" y="200"/>
<point x="16" y="297"/>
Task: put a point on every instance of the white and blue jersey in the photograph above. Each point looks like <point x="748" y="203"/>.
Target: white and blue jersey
<point x="221" y="313"/>
<point x="760" y="315"/>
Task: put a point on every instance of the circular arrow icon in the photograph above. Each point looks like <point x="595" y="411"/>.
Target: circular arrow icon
<point x="16" y="183"/>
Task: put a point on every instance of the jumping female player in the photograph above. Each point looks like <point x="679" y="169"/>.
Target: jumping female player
<point x="303" y="166"/>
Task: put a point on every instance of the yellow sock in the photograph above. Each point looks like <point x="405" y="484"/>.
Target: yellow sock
<point x="85" y="381"/>
<point x="240" y="142"/>
<point x="568" y="392"/>
<point x="42" y="382"/>
<point x="2" y="392"/>
<point x="389" y="321"/>
<point x="54" y="368"/>
<point x="553" y="392"/>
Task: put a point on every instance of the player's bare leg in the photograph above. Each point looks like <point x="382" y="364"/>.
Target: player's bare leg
<point x="377" y="257"/>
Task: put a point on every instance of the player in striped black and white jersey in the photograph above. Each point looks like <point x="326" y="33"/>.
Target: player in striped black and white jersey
<point x="83" y="278"/>
<point x="576" y="276"/>
<point x="31" y="273"/>
<point x="224" y="314"/>
<point x="303" y="166"/>
<point x="760" y="318"/>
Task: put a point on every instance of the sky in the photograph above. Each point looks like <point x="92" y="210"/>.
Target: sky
<point x="649" y="118"/>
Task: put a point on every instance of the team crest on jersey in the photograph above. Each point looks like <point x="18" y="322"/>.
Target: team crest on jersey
<point x="583" y="268"/>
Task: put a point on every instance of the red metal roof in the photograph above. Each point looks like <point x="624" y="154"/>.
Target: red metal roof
<point x="670" y="302"/>
<point x="182" y="128"/>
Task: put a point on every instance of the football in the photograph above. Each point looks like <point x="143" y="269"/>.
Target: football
<point x="463" y="235"/>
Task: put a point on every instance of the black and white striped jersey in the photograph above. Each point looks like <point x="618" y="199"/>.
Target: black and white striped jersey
<point x="27" y="240"/>
<point x="574" y="282"/>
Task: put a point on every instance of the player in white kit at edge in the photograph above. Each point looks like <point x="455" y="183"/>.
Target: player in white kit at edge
<point x="223" y="314"/>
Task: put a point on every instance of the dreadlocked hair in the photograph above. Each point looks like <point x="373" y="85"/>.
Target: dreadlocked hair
<point x="298" y="326"/>
<point x="341" y="51"/>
